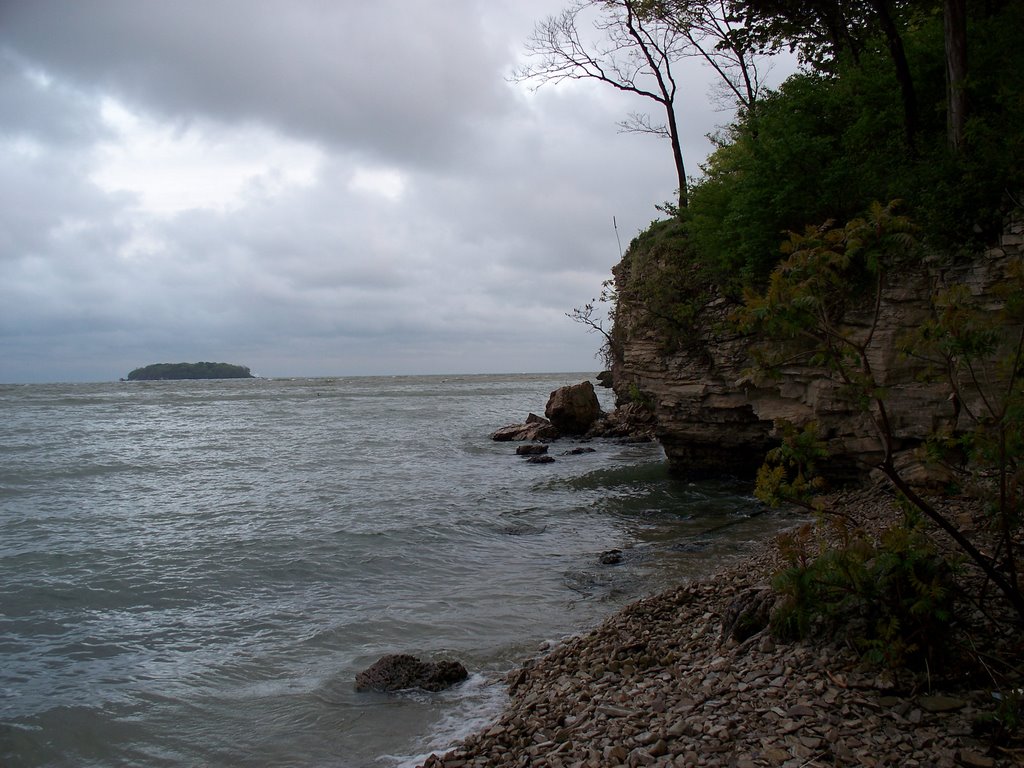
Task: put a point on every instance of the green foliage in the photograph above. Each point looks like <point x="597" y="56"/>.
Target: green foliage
<point x="830" y="141"/>
<point x="202" y="370"/>
<point x="980" y="356"/>
<point x="827" y="269"/>
<point x="791" y="168"/>
<point x="661" y="276"/>
<point x="790" y="470"/>
<point x="893" y="598"/>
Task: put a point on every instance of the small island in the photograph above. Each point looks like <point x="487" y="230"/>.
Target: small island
<point x="172" y="371"/>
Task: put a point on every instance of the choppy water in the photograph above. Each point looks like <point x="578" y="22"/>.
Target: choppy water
<point x="191" y="573"/>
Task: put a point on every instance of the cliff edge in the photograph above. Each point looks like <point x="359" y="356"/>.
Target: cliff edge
<point x="714" y="417"/>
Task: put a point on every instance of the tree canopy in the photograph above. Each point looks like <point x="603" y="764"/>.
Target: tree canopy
<point x="202" y="370"/>
<point x="832" y="140"/>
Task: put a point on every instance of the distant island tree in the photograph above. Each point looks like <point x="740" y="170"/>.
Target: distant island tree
<point x="164" y="371"/>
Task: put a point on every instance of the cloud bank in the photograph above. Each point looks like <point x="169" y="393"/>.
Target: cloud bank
<point x="307" y="187"/>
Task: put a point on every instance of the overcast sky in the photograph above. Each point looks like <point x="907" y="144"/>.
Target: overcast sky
<point x="308" y="187"/>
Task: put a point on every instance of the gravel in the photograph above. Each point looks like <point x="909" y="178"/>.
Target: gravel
<point x="664" y="683"/>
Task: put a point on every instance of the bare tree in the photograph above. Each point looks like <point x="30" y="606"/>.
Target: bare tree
<point x="715" y="33"/>
<point x="588" y="315"/>
<point x="634" y="54"/>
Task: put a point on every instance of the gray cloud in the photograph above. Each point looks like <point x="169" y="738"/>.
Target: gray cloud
<point x="392" y="78"/>
<point x="36" y="110"/>
<point x="394" y="204"/>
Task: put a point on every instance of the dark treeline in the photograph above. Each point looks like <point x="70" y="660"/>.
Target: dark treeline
<point x="203" y="370"/>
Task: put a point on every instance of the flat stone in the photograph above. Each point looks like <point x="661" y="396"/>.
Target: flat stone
<point x="800" y="710"/>
<point x="777" y="756"/>
<point x="940" y="703"/>
<point x="975" y="760"/>
<point x="617" y="754"/>
<point x="611" y="711"/>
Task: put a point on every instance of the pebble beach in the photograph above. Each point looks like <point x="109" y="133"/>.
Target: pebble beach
<point x="664" y="683"/>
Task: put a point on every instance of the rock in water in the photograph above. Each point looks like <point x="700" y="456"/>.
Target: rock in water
<point x="611" y="557"/>
<point x="574" y="408"/>
<point x="535" y="428"/>
<point x="531" y="449"/>
<point x="401" y="671"/>
<point x="579" y="451"/>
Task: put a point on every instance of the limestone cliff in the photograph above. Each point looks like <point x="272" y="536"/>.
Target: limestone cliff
<point x="713" y="418"/>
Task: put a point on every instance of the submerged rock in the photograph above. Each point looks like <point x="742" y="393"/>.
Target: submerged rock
<point x="401" y="671"/>
<point x="533" y="449"/>
<point x="543" y="459"/>
<point x="611" y="557"/>
<point x="523" y="529"/>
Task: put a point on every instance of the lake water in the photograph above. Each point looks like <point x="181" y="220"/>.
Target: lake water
<point x="192" y="572"/>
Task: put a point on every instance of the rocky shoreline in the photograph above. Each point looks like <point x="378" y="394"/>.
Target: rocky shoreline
<point x="665" y="683"/>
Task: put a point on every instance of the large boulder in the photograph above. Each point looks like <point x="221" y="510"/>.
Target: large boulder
<point x="535" y="428"/>
<point x="401" y="671"/>
<point x="574" y="408"/>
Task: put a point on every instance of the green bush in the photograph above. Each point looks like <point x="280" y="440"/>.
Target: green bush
<point x="662" y="276"/>
<point x="892" y="598"/>
<point x="824" y="145"/>
<point x="790" y="470"/>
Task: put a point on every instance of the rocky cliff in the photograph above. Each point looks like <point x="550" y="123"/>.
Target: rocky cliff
<point x="714" y="418"/>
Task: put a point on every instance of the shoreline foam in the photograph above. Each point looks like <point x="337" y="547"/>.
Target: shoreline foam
<point x="656" y="684"/>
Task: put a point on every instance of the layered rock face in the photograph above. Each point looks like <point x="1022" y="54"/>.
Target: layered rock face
<point x="714" y="418"/>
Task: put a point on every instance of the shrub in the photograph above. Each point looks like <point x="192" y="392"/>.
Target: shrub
<point x="893" y="598"/>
